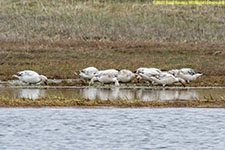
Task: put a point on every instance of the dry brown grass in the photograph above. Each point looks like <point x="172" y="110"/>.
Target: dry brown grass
<point x="62" y="102"/>
<point x="34" y="20"/>
<point x="57" y="37"/>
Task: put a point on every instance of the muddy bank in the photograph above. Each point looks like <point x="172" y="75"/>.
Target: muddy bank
<point x="59" y="60"/>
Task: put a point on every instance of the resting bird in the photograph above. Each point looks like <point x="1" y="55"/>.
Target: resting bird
<point x="88" y="73"/>
<point x="30" y="77"/>
<point x="164" y="79"/>
<point x="188" y="74"/>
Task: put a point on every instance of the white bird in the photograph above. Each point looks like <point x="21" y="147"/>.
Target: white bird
<point x="188" y="74"/>
<point x="111" y="72"/>
<point x="88" y="73"/>
<point x="148" y="70"/>
<point x="125" y="76"/>
<point x="142" y="73"/>
<point x="174" y="72"/>
<point x="30" y="77"/>
<point x="105" y="78"/>
<point x="164" y="79"/>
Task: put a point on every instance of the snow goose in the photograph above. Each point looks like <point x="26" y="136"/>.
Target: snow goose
<point x="164" y="79"/>
<point x="125" y="76"/>
<point x="30" y="77"/>
<point x="88" y="73"/>
<point x="188" y="74"/>
<point x="174" y="72"/>
<point x="105" y="78"/>
<point x="111" y="72"/>
<point x="142" y="73"/>
<point x="148" y="70"/>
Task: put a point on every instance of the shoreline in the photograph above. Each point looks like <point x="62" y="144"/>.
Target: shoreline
<point x="84" y="103"/>
<point x="112" y="86"/>
<point x="46" y="58"/>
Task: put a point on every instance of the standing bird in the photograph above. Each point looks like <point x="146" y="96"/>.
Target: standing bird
<point x="88" y="73"/>
<point x="148" y="70"/>
<point x="125" y="76"/>
<point x="106" y="76"/>
<point x="188" y="74"/>
<point x="164" y="79"/>
<point x="31" y="77"/>
<point x="174" y="72"/>
<point x="111" y="72"/>
<point x="145" y="73"/>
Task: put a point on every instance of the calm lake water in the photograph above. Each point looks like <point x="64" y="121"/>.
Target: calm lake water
<point x="115" y="93"/>
<point x="112" y="129"/>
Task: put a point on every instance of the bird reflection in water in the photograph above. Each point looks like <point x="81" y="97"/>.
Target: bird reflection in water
<point x="113" y="93"/>
<point x="30" y="93"/>
<point x="140" y="94"/>
<point x="150" y="95"/>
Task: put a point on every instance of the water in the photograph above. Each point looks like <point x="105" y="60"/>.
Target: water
<point x="112" y="129"/>
<point x="115" y="93"/>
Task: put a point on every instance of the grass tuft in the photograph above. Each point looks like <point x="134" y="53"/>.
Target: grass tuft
<point x="80" y="102"/>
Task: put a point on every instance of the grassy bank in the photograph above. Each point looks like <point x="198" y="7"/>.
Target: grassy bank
<point x="62" y="102"/>
<point x="138" y="20"/>
<point x="60" y="59"/>
<point x="56" y="38"/>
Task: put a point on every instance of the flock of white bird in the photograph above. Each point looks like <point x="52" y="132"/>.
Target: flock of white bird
<point x="153" y="76"/>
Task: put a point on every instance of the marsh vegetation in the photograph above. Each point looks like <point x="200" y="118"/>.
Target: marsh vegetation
<point x="80" y="102"/>
<point x="113" y="20"/>
<point x="61" y="59"/>
<point x="57" y="38"/>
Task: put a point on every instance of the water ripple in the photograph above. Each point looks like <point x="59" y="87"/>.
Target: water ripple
<point x="112" y="129"/>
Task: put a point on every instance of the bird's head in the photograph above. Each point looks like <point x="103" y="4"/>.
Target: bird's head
<point x="44" y="79"/>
